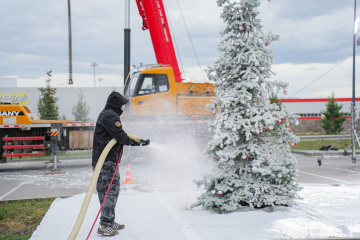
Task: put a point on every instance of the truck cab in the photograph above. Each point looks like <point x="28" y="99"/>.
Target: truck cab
<point x="151" y="92"/>
<point x="154" y="91"/>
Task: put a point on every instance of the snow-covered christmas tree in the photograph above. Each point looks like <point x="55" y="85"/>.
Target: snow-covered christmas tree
<point x="252" y="137"/>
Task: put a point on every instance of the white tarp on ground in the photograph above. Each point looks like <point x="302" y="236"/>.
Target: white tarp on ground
<point x="323" y="212"/>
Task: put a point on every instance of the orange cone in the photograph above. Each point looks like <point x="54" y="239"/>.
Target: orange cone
<point x="128" y="176"/>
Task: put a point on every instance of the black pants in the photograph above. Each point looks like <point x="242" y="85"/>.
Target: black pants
<point x="107" y="216"/>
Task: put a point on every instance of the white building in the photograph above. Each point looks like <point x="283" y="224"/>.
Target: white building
<point x="312" y="108"/>
<point x="95" y="98"/>
<point x="8" y="82"/>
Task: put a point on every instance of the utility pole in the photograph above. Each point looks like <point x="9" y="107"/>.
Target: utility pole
<point x="353" y="114"/>
<point x="70" y="43"/>
<point x="94" y="64"/>
<point x="100" y="80"/>
<point x="127" y="36"/>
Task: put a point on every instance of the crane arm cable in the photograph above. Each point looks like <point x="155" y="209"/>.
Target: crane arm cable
<point x="187" y="30"/>
<point x="173" y="35"/>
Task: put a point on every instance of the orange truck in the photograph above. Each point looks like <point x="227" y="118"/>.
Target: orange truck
<point x="154" y="92"/>
<point x="22" y="136"/>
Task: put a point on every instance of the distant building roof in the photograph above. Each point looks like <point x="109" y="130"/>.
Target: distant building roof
<point x="8" y="82"/>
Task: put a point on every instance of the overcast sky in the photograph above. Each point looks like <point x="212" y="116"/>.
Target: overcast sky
<point x="315" y="37"/>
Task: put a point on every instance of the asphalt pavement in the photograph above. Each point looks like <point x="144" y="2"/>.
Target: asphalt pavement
<point x="30" y="179"/>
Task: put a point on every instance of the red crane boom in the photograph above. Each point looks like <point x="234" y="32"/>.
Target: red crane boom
<point x="154" y="19"/>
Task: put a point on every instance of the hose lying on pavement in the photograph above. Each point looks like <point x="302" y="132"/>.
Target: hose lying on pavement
<point x="90" y="190"/>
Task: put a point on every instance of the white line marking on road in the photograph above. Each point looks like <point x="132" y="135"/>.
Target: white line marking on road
<point x="16" y="188"/>
<point x="324" y="177"/>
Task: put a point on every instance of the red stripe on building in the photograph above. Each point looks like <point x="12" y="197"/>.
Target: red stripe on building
<point x="318" y="100"/>
<point x="316" y="118"/>
<point x="309" y="118"/>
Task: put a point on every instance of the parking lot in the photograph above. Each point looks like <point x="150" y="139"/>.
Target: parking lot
<point x="27" y="179"/>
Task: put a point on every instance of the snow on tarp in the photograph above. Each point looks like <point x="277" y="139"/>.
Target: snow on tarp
<point x="324" y="211"/>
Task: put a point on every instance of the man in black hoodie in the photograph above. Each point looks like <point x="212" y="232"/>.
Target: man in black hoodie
<point x="108" y="126"/>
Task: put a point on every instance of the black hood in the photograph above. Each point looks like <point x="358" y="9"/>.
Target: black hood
<point x="115" y="101"/>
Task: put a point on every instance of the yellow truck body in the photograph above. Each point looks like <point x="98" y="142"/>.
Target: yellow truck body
<point x="20" y="135"/>
<point x="155" y="93"/>
<point x="14" y="115"/>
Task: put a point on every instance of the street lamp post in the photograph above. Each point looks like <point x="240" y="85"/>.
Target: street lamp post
<point x="100" y="80"/>
<point x="353" y="115"/>
<point x="94" y="64"/>
<point x="127" y="37"/>
<point x="70" y="43"/>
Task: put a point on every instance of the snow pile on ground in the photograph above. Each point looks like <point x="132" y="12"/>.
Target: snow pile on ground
<point x="324" y="211"/>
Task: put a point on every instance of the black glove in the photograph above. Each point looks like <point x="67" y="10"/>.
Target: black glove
<point x="144" y="142"/>
<point x="134" y="143"/>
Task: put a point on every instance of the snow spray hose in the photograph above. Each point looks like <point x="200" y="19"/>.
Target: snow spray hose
<point x="91" y="189"/>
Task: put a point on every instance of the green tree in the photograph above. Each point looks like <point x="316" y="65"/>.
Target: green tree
<point x="333" y="118"/>
<point x="81" y="110"/>
<point x="47" y="107"/>
<point x="274" y="99"/>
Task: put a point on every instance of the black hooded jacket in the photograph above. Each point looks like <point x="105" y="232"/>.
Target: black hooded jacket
<point x="108" y="126"/>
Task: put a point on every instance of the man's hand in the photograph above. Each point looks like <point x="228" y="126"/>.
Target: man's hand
<point x="134" y="143"/>
<point x="144" y="142"/>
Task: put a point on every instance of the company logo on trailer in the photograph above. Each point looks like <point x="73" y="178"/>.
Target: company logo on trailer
<point x="14" y="98"/>
<point x="11" y="113"/>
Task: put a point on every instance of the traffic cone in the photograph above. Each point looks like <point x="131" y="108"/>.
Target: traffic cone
<point x="128" y="176"/>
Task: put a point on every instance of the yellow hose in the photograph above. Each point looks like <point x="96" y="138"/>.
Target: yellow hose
<point x="90" y="190"/>
<point x="134" y="137"/>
